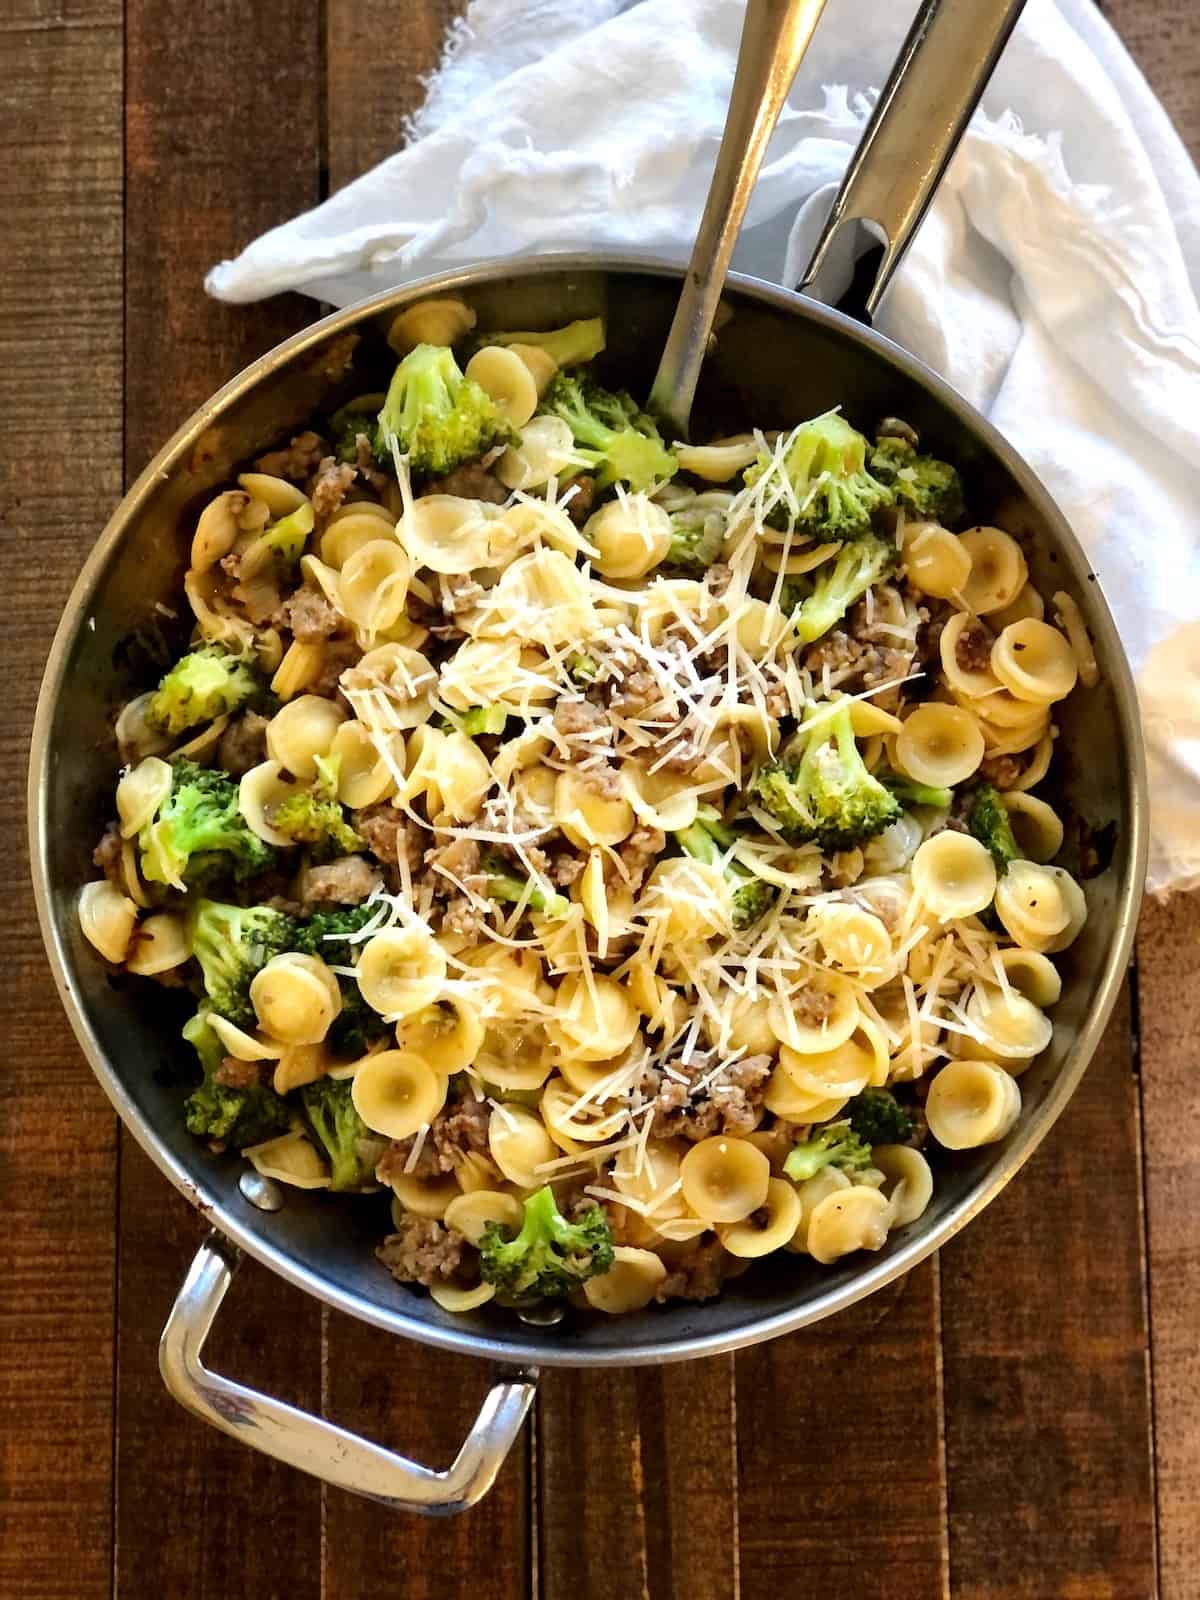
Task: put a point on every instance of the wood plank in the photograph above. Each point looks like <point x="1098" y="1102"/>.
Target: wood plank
<point x="1161" y="37"/>
<point x="222" y="141"/>
<point x="1045" y="1345"/>
<point x="841" y="1472"/>
<point x="1168" y="958"/>
<point x="60" y="468"/>
<point x="374" y="73"/>
<point x="637" y="1483"/>
<point x="421" y="1402"/>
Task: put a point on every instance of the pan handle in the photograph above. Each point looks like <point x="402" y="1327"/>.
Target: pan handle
<point x="921" y="115"/>
<point x="310" y="1443"/>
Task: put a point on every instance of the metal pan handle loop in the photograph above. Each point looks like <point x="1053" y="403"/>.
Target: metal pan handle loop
<point x="310" y="1443"/>
<point x="920" y="116"/>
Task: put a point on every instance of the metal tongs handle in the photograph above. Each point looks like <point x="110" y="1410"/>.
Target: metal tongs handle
<point x="775" y="35"/>
<point x="921" y="115"/>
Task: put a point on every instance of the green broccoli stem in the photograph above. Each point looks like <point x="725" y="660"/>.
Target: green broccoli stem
<point x="578" y="342"/>
<point x="504" y="885"/>
<point x="911" y="793"/>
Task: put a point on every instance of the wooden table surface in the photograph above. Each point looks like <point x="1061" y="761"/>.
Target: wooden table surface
<point x="1017" y="1418"/>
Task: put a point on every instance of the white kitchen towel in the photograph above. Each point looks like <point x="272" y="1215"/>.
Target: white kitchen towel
<point x="1054" y="282"/>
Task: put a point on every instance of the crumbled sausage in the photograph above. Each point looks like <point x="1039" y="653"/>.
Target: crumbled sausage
<point x="308" y="615"/>
<point x="385" y="833"/>
<point x="459" y="858"/>
<point x="243" y="744"/>
<point x="459" y="1129"/>
<point x="856" y="663"/>
<point x="235" y="1074"/>
<point x="365" y="459"/>
<point x="346" y="882"/>
<point x="643" y="846"/>
<point x="472" y="481"/>
<point x="635" y="694"/>
<point x="336" y="656"/>
<point x="810" y="1006"/>
<point x="973" y="648"/>
<point x="422" y="1251"/>
<point x="583" y="496"/>
<point x="564" y="868"/>
<point x="298" y="461"/>
<point x="695" y="1101"/>
<point x="578" y="716"/>
<point x="1002" y="772"/>
<point x="460" y="592"/>
<point x="462" y="917"/>
<point x="697" y="1276"/>
<point x="718" y="577"/>
<point x="330" y="488"/>
<point x="107" y="854"/>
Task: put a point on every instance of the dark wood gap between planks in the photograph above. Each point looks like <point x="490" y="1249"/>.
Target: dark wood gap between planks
<point x="827" y="1445"/>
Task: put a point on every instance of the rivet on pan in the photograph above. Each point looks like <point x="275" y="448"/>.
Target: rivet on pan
<point x="262" y="1192"/>
<point x="541" y="1316"/>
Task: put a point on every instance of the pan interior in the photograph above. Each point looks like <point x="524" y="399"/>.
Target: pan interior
<point x="777" y="359"/>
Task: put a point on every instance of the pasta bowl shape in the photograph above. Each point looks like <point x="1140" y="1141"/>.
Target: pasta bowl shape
<point x="778" y="356"/>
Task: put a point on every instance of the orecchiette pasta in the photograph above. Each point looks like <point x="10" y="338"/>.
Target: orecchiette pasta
<point x="939" y="745"/>
<point x="971" y="1103"/>
<point x="401" y="971"/>
<point x="594" y="856"/>
<point x="850" y="1219"/>
<point x="724" y="1180"/>
<point x="295" y="998"/>
<point x="396" y="1093"/>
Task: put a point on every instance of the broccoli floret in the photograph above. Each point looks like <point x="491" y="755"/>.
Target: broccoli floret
<point x="549" y="1256"/>
<point x="220" y="1112"/>
<point x="831" y="494"/>
<point x="437" y="417"/>
<point x="357" y="1025"/>
<point x="314" y="816"/>
<point x="583" y="668"/>
<point x="836" y="1145"/>
<point x="877" y="1117"/>
<point x="504" y="884"/>
<point x="613" y="438"/>
<point x="923" y="485"/>
<point x="231" y="943"/>
<point x="706" y="840"/>
<point x="840" y="582"/>
<point x="198" y="833"/>
<point x="325" y="933"/>
<point x="203" y="685"/>
<point x="568" y="347"/>
<point x="989" y="821"/>
<point x="820" y="788"/>
<point x="697" y="534"/>
<point x="288" y="536"/>
<point x="911" y="793"/>
<point x="350" y="1145"/>
<point x="360" y="415"/>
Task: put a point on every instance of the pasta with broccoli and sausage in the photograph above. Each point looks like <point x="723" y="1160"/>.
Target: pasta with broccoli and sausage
<point x="623" y="854"/>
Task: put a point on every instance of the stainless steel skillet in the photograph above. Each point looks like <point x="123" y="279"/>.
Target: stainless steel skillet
<point x="778" y="357"/>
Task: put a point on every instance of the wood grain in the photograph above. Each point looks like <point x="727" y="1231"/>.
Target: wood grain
<point x="1044" y="1336"/>
<point x="1168" y="959"/>
<point x="420" y="1401"/>
<point x="637" y="1483"/>
<point x="222" y="130"/>
<point x="841" y="1487"/>
<point x="60" y="469"/>
<point x="1161" y="36"/>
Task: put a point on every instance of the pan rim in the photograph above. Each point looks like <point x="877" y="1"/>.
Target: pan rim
<point x="533" y="1350"/>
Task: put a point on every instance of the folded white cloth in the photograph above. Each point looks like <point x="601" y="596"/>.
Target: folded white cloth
<point x="1054" y="282"/>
